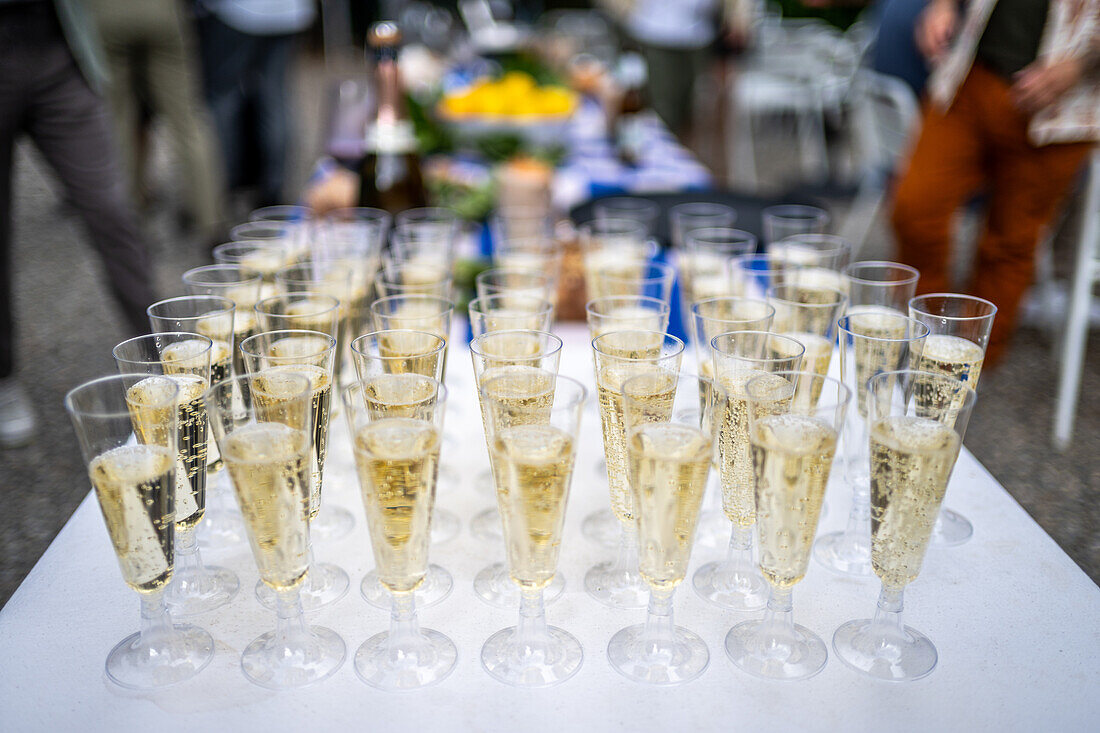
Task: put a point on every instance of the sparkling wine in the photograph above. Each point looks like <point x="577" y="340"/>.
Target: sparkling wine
<point x="150" y="425"/>
<point x="792" y="456"/>
<point x="873" y="356"/>
<point x="515" y="395"/>
<point x="668" y="466"/>
<point x="407" y="352"/>
<point x="135" y="488"/>
<point x="911" y="461"/>
<point x="952" y="356"/>
<point x="175" y="357"/>
<point x="268" y="464"/>
<point x="610" y="271"/>
<point x="532" y="465"/>
<point x="399" y="395"/>
<point x="819" y="352"/>
<point x="397" y="460"/>
<point x="627" y="318"/>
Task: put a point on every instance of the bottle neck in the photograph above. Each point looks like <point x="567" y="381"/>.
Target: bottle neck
<point x="391" y="131"/>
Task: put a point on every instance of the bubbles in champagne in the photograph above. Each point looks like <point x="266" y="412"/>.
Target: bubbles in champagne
<point x="881" y="348"/>
<point x="952" y="356"/>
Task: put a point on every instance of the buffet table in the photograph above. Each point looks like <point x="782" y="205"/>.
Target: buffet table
<point x="1016" y="623"/>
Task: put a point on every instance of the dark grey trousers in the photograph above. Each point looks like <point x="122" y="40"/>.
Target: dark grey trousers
<point x="43" y="94"/>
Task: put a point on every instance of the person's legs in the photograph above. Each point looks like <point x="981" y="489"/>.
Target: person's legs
<point x="1027" y="184"/>
<point x="123" y="58"/>
<point x="69" y="125"/>
<point x="273" y="115"/>
<point x="946" y="167"/>
<point x="226" y="53"/>
<point x="10" y="113"/>
<point x="175" y="95"/>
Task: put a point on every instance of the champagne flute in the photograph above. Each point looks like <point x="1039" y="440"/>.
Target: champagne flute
<point x="526" y="362"/>
<point x="620" y="355"/>
<point x="295" y="220"/>
<point x="509" y="281"/>
<point x="264" y="256"/>
<point x="703" y="262"/>
<point x="650" y="279"/>
<point x="686" y="218"/>
<point x="397" y="457"/>
<point x="751" y="275"/>
<point x="959" y="327"/>
<point x="809" y="315"/>
<point x="795" y="420"/>
<point x="538" y="254"/>
<point x="285" y="235"/>
<point x="618" y="313"/>
<point x="612" y="246"/>
<point x="629" y="208"/>
<point x="331" y="278"/>
<point x="824" y="251"/>
<point x="918" y="420"/>
<point x="392" y="366"/>
<point x="786" y="220"/>
<point x="734" y="581"/>
<point x="134" y="476"/>
<point x="212" y="316"/>
<point x="354" y="237"/>
<point x="425" y="234"/>
<point x="262" y="425"/>
<point x="533" y="441"/>
<point x="711" y="317"/>
<point x="413" y="278"/>
<point x="503" y="313"/>
<point x="311" y="353"/>
<point x="871" y="342"/>
<point x="183" y="358"/>
<point x="233" y="282"/>
<point x="433" y="315"/>
<point x="521" y="223"/>
<point x="670" y="443"/>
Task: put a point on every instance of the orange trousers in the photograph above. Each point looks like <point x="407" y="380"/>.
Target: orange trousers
<point x="981" y="144"/>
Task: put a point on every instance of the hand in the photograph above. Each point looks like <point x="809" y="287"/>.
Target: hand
<point x="935" y="27"/>
<point x="1043" y="82"/>
<point x="338" y="190"/>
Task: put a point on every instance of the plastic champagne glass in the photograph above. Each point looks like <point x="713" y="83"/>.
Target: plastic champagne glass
<point x="786" y="220"/>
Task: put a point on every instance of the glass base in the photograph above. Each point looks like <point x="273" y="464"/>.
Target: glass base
<point x="602" y="528"/>
<point x="434" y="659"/>
<point x="161" y="660"/>
<point x="486" y="526"/>
<point x="280" y="663"/>
<point x="532" y="665"/>
<point x="324" y="585"/>
<point x="668" y="664"/>
<point x="841" y="553"/>
<point x="726" y="587"/>
<point x="903" y="659"/>
<point x="437" y="585"/>
<point x="616" y="587"/>
<point x="332" y="524"/>
<point x="191" y="592"/>
<point x="761" y="653"/>
<point x="951" y="528"/>
<point x="445" y="526"/>
<point x="493" y="585"/>
<point x="712" y="531"/>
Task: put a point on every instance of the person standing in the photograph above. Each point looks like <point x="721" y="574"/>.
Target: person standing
<point x="50" y="73"/>
<point x="247" y="50"/>
<point x="1013" y="109"/>
<point x="150" y="46"/>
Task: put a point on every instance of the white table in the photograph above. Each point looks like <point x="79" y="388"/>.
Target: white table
<point x="1016" y="623"/>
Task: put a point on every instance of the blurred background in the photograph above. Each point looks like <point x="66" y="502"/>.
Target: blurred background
<point x="140" y="133"/>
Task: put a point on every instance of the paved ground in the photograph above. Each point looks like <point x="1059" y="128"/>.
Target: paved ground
<point x="67" y="326"/>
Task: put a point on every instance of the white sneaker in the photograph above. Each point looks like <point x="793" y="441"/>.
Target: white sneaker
<point x="17" y="421"/>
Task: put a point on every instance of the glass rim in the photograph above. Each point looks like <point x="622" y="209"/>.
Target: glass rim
<point x="282" y="272"/>
<point x="677" y="375"/>
<point x="548" y="246"/>
<point x="356" y="344"/>
<point x="774" y="262"/>
<point x="358" y="215"/>
<point x="721" y="235"/>
<point x="771" y="293"/>
<point x="426" y="214"/>
<point x="390" y="265"/>
<point x="441" y="394"/>
<point x="667" y="338"/>
<point x="334" y="303"/>
<point x="269" y="335"/>
<point x="190" y="336"/>
<point x="278" y="211"/>
<point x="489" y="274"/>
<point x="543" y="304"/>
<point x="247" y="276"/>
<point x="230" y="381"/>
<point x="913" y="273"/>
<point x="261" y="244"/>
<point x="445" y="305"/>
<point x="578" y="397"/>
<point x="610" y="226"/>
<point x="844" y="395"/>
<point x="554" y="340"/>
<point x="796" y="211"/>
<point x="840" y="324"/>
<point x="227" y="306"/>
<point x="267" y="230"/>
<point x="815" y="238"/>
<point x="665" y="270"/>
<point x="969" y="393"/>
<point x="954" y="296"/>
<point x="665" y="306"/>
<point x="768" y="336"/>
<point x="696" y="307"/>
<point x="94" y="385"/>
<point x="716" y="209"/>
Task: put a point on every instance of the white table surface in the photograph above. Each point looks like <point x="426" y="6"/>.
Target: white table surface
<point x="1016" y="623"/>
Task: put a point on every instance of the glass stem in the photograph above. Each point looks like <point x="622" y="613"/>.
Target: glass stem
<point x="659" y="635"/>
<point x="739" y="552"/>
<point x="532" y="634"/>
<point x="626" y="562"/>
<point x="156" y="623"/>
<point x="313" y="581"/>
<point x="405" y="641"/>
<point x="290" y="628"/>
<point x="190" y="572"/>
<point x="859" y="518"/>
<point x="887" y="624"/>
<point x="777" y="627"/>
